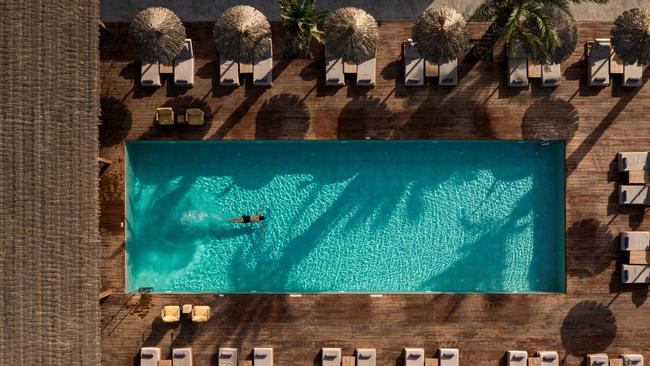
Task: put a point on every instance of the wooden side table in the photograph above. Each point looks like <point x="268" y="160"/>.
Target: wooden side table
<point x="638" y="177"/>
<point x="348" y="361"/>
<point x="187" y="308"/>
<point x="245" y="362"/>
<point x="639" y="257"/>
<point x="615" y="362"/>
<point x="534" y="70"/>
<point x="615" y="64"/>
<point x="166" y="69"/>
<point x="430" y="69"/>
<point x="534" y="361"/>
<point x="245" y="68"/>
<point x="430" y="362"/>
<point x="165" y="363"/>
<point x="349" y="68"/>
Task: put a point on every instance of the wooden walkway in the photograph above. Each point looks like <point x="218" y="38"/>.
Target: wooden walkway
<point x="596" y="314"/>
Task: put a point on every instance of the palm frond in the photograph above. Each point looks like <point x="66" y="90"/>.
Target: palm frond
<point x="485" y="12"/>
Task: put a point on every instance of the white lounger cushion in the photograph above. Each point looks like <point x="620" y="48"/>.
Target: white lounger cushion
<point x="448" y="73"/>
<point x="599" y="359"/>
<point x="632" y="359"/>
<point x="366" y="72"/>
<point x="414" y="356"/>
<point x="551" y="75"/>
<point x="631" y="273"/>
<point x="635" y="240"/>
<point x="413" y="65"/>
<point x="366" y="357"/>
<point x="599" y="62"/>
<point x="150" y="74"/>
<point x="228" y="357"/>
<point x="549" y="358"/>
<point x="633" y="161"/>
<point x="262" y="356"/>
<point x="449" y="356"/>
<point x="517" y="358"/>
<point x="633" y="75"/>
<point x="331" y="357"/>
<point x="228" y="72"/>
<point x="517" y="66"/>
<point x="263" y="69"/>
<point x="182" y="357"/>
<point x="184" y="65"/>
<point x="633" y="195"/>
<point x="149" y="356"/>
<point x="333" y="69"/>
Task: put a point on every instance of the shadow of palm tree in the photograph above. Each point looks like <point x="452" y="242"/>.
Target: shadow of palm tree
<point x="550" y="119"/>
<point x="283" y="116"/>
<point x="115" y="121"/>
<point x="589" y="327"/>
<point x="583" y="237"/>
<point x="365" y="117"/>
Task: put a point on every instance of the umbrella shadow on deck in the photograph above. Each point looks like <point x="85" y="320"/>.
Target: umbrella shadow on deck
<point x="366" y="117"/>
<point x="589" y="327"/>
<point x="282" y="117"/>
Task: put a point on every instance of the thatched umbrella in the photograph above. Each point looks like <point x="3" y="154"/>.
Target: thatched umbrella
<point x="157" y="35"/>
<point x="242" y="34"/>
<point x="440" y="34"/>
<point x="352" y="34"/>
<point x="631" y="36"/>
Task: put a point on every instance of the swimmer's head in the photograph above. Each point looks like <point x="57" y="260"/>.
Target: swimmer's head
<point x="262" y="217"/>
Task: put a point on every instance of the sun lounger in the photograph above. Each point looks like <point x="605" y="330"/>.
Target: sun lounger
<point x="366" y="357"/>
<point x="631" y="273"/>
<point x="632" y="75"/>
<point x="333" y="70"/>
<point x="599" y="62"/>
<point x="549" y="358"/>
<point x="165" y="117"/>
<point x="228" y="357"/>
<point x="228" y="72"/>
<point x="262" y="356"/>
<point x="182" y="357"/>
<point x="599" y="359"/>
<point x="633" y="161"/>
<point x="448" y="73"/>
<point x="184" y="65"/>
<point x="517" y="66"/>
<point x="635" y="240"/>
<point x="517" y="358"/>
<point x="150" y="74"/>
<point x="366" y="72"/>
<point x="632" y="359"/>
<point x="200" y="314"/>
<point x="413" y="65"/>
<point x="413" y="356"/>
<point x="149" y="356"/>
<point x="448" y="356"/>
<point x="331" y="357"/>
<point x="551" y="75"/>
<point x="633" y="195"/>
<point x="263" y="69"/>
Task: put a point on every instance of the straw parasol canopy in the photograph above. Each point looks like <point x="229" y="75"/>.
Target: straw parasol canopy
<point x="440" y="34"/>
<point x="157" y="35"/>
<point x="631" y="36"/>
<point x="352" y="34"/>
<point x="242" y="34"/>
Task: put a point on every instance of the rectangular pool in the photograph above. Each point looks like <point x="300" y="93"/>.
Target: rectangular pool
<point x="345" y="216"/>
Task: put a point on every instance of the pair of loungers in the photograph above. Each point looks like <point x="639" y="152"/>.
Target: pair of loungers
<point x="518" y="69"/>
<point x="230" y="357"/>
<point x="150" y="356"/>
<point x="633" y="194"/>
<point x="335" y="75"/>
<point x="415" y="68"/>
<point x="601" y="359"/>
<point x="364" y="357"/>
<point x="599" y="67"/>
<point x="520" y="358"/>
<point x="262" y="70"/>
<point x="183" y="69"/>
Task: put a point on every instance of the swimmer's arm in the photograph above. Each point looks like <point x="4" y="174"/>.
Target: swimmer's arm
<point x="261" y="226"/>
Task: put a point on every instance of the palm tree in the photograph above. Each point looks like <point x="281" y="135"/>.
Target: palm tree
<point x="301" y="18"/>
<point x="528" y="21"/>
<point x="631" y="36"/>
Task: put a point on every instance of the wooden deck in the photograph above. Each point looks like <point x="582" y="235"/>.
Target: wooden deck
<point x="596" y="314"/>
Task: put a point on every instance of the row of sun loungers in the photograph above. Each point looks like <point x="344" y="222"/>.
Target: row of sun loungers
<point x="601" y="57"/>
<point x="601" y="359"/>
<point x="636" y="165"/>
<point x="637" y="245"/>
<point x="183" y="69"/>
<point x="262" y="71"/>
<point x="150" y="356"/>
<point x="335" y="75"/>
<point x="415" y="68"/>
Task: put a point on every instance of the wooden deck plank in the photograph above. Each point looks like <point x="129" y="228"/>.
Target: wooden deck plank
<point x="596" y="314"/>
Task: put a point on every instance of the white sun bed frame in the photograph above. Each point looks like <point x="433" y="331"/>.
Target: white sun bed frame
<point x="366" y="72"/>
<point x="182" y="357"/>
<point x="262" y="356"/>
<point x="228" y="72"/>
<point x="635" y="240"/>
<point x="331" y="357"/>
<point x="333" y="70"/>
<point x="149" y="356"/>
<point x="228" y="356"/>
<point x="632" y="75"/>
<point x="184" y="65"/>
<point x="549" y="358"/>
<point x="632" y="359"/>
<point x="366" y="357"/>
<point x="551" y="75"/>
<point x="633" y="195"/>
<point x="413" y="65"/>
<point x="517" y="358"/>
<point x="517" y="66"/>
<point x="635" y="273"/>
<point x="263" y="69"/>
<point x="597" y="359"/>
<point x="150" y="74"/>
<point x="413" y="356"/>
<point x="448" y="73"/>
<point x="628" y="161"/>
<point x="599" y="62"/>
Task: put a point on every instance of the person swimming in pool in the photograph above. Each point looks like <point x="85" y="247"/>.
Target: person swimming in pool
<point x="246" y="219"/>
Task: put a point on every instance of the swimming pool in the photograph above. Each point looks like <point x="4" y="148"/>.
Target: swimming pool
<point x="345" y="216"/>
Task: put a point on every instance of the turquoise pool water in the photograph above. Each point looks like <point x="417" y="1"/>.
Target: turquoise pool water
<point x="363" y="216"/>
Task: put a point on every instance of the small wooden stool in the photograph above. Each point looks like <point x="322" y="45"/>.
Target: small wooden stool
<point x="165" y="363"/>
<point x="347" y="361"/>
<point x="534" y="361"/>
<point x="639" y="257"/>
<point x="430" y="362"/>
<point x="246" y="363"/>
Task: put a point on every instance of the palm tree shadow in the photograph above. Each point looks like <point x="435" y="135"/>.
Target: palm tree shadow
<point x="365" y="117"/>
<point x="115" y="120"/>
<point x="582" y="237"/>
<point x="589" y="327"/>
<point x="550" y="119"/>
